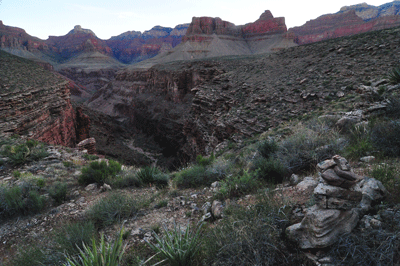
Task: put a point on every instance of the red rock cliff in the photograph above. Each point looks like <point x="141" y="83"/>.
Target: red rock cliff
<point x="35" y="102"/>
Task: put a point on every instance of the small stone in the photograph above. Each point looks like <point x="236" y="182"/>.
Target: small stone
<point x="105" y="187"/>
<point x="294" y="180"/>
<point x="91" y="187"/>
<point x="215" y="184"/>
<point x="341" y="162"/>
<point x="206" y="216"/>
<point x="324" y="165"/>
<point x="206" y="207"/>
<point x="367" y="159"/>
<point x="217" y="209"/>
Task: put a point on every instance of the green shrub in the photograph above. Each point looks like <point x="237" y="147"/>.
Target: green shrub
<point x="25" y="152"/>
<point x="195" y="176"/>
<point x="384" y="173"/>
<point x="68" y="164"/>
<point x="99" y="172"/>
<point x="153" y="176"/>
<point x="71" y="237"/>
<point x="32" y="143"/>
<point x="177" y="248"/>
<point x="268" y="148"/>
<point x="40" y="182"/>
<point x="385" y="137"/>
<point x="32" y="256"/>
<point x="58" y="192"/>
<point x="360" y="143"/>
<point x="20" y="200"/>
<point x="160" y="204"/>
<point x="99" y="255"/>
<point x="90" y="157"/>
<point x="19" y="154"/>
<point x="111" y="209"/>
<point x="270" y="170"/>
<point x="16" y="174"/>
<point x="236" y="186"/>
<point x="203" y="161"/>
<point x="124" y="180"/>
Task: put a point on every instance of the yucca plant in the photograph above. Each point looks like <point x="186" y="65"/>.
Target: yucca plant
<point x="101" y="255"/>
<point x="394" y="75"/>
<point x="177" y="248"/>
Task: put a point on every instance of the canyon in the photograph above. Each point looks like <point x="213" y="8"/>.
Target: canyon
<point x="192" y="89"/>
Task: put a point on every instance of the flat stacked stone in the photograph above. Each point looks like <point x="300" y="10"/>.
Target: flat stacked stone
<point x="88" y="144"/>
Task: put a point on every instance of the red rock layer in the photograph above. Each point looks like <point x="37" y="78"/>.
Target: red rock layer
<point x="265" y="25"/>
<point x="339" y="25"/>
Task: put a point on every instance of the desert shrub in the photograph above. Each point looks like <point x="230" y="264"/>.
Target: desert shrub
<point x="160" y="204"/>
<point x="16" y="174"/>
<point x="32" y="255"/>
<point x="38" y="153"/>
<point x="40" y="182"/>
<point x="68" y="164"/>
<point x="267" y="148"/>
<point x="58" y="192"/>
<point x="270" y="170"/>
<point x="394" y="75"/>
<point x="31" y="143"/>
<point x="177" y="248"/>
<point x="384" y="173"/>
<point x="125" y="179"/>
<point x="90" y="157"/>
<point x="195" y="176"/>
<point x="251" y="236"/>
<point x="369" y="247"/>
<point x="308" y="145"/>
<point x="70" y="238"/>
<point x="236" y="186"/>
<point x="24" y="152"/>
<point x="98" y="172"/>
<point x="20" y="200"/>
<point x="161" y="180"/>
<point x="360" y="143"/>
<point x="385" y="137"/>
<point x="111" y="209"/>
<point x="204" y="161"/>
<point x="101" y="254"/>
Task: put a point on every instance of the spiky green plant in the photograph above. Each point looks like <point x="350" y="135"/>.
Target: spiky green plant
<point x="394" y="75"/>
<point x="100" y="255"/>
<point x="175" y="247"/>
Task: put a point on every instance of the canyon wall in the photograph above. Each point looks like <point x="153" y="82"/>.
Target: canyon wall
<point x="35" y="102"/>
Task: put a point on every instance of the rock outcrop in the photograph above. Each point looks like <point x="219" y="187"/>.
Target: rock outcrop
<point x="349" y="20"/>
<point x="342" y="199"/>
<point x="35" y="102"/>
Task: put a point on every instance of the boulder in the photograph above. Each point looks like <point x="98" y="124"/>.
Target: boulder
<point x="217" y="209"/>
<point x="321" y="228"/>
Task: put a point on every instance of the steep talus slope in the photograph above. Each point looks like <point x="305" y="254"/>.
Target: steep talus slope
<point x="35" y="102"/>
<point x="349" y="20"/>
<point x="191" y="107"/>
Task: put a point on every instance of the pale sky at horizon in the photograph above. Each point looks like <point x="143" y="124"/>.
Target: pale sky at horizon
<point x="43" y="18"/>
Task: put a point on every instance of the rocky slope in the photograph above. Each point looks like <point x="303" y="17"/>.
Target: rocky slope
<point x="349" y="20"/>
<point x="35" y="102"/>
<point x="192" y="107"/>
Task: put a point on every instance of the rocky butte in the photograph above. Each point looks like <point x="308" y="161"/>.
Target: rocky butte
<point x="211" y="37"/>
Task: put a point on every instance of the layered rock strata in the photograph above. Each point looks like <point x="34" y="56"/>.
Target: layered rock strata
<point x="349" y="20"/>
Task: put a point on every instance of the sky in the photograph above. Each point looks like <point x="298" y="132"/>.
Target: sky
<point x="107" y="18"/>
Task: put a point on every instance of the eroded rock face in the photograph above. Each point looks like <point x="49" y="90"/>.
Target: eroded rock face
<point x="35" y="102"/>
